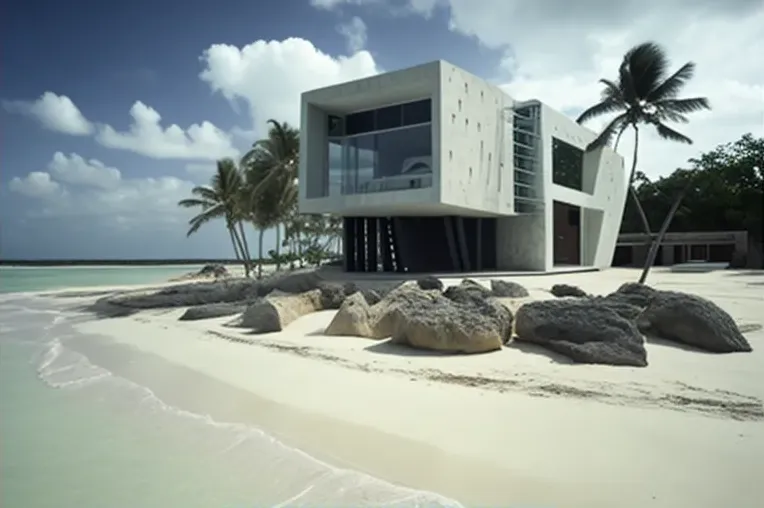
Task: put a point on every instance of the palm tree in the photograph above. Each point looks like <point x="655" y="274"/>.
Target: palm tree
<point x="221" y="199"/>
<point x="271" y="170"/>
<point x="644" y="95"/>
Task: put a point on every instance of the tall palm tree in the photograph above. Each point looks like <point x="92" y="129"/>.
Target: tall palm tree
<point x="644" y="95"/>
<point x="271" y="172"/>
<point x="221" y="199"/>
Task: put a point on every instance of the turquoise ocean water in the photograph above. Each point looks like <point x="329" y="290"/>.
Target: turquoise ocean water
<point x="75" y="435"/>
<point x="14" y="279"/>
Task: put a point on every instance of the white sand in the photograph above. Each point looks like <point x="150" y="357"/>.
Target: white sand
<point x="516" y="427"/>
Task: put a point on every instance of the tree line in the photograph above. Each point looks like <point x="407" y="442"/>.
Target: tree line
<point x="260" y="191"/>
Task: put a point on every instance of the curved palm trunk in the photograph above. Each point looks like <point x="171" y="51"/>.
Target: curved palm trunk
<point x="260" y="253"/>
<point x="651" y="255"/>
<point x="632" y="192"/>
<point x="233" y="242"/>
<point x="245" y="248"/>
<point x="241" y="249"/>
<point x="278" y="247"/>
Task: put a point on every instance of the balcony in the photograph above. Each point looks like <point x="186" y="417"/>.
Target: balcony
<point x="383" y="161"/>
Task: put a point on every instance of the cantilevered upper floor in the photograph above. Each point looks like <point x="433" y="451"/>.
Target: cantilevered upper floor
<point x="436" y="140"/>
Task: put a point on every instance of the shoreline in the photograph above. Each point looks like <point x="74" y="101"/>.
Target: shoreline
<point x="511" y="426"/>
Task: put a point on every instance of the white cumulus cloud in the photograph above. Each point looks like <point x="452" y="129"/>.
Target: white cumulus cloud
<point x="270" y="75"/>
<point x="146" y="136"/>
<point x="354" y="32"/>
<point x="54" y="112"/>
<point x="37" y="184"/>
<point x="75" y="170"/>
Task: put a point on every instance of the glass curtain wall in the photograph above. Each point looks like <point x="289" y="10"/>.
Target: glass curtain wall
<point x="382" y="150"/>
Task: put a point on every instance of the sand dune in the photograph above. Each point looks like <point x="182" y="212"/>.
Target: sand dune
<point x="520" y="426"/>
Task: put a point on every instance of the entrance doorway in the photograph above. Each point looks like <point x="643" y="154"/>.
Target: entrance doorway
<point x="567" y="234"/>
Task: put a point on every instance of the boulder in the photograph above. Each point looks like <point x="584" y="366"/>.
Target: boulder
<point x="563" y="290"/>
<point x="692" y="320"/>
<point x="429" y="282"/>
<point x="621" y="306"/>
<point x="508" y="289"/>
<point x="213" y="270"/>
<point x="355" y="318"/>
<point x="275" y="311"/>
<point x="213" y="310"/>
<point x="634" y="293"/>
<point x="440" y="324"/>
<point x="467" y="291"/>
<point x="582" y="330"/>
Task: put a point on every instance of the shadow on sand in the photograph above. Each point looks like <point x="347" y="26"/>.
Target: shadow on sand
<point x="535" y="349"/>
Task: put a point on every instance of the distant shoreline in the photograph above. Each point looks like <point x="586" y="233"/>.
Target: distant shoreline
<point x="113" y="262"/>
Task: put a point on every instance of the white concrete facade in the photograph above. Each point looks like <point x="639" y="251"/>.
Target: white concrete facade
<point x="490" y="156"/>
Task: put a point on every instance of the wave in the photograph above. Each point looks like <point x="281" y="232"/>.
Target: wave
<point x="302" y="479"/>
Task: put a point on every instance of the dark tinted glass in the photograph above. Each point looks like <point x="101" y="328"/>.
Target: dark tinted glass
<point x="334" y="126"/>
<point x="389" y="117"/>
<point x="358" y="123"/>
<point x="417" y="112"/>
<point x="567" y="164"/>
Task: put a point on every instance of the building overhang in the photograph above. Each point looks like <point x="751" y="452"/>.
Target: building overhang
<point x="376" y="91"/>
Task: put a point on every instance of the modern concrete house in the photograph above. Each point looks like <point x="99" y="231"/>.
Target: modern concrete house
<point x="436" y="170"/>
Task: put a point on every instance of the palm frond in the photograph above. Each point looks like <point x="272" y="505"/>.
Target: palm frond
<point x="668" y="133"/>
<point x="671" y="87"/>
<point x="683" y="106"/>
<point x="202" y="219"/>
<point x="204" y="192"/>
<point x="608" y="132"/>
<point x="601" y="108"/>
<point x="645" y="66"/>
<point x="611" y="90"/>
<point x="195" y="203"/>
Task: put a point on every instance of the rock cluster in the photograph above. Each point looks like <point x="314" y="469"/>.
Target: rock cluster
<point x="465" y="318"/>
<point x="610" y="329"/>
<point x="462" y="319"/>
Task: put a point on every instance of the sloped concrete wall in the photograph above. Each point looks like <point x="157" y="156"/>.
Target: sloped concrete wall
<point x="601" y="199"/>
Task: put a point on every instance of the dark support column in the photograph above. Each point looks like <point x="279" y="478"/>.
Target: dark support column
<point x="385" y="244"/>
<point x="448" y="223"/>
<point x="462" y="241"/>
<point x="371" y="241"/>
<point x="479" y="246"/>
<point x="348" y="227"/>
<point x="360" y="231"/>
<point x="399" y="259"/>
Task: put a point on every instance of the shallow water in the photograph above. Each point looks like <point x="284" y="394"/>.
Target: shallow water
<point x="23" y="278"/>
<point x="76" y="435"/>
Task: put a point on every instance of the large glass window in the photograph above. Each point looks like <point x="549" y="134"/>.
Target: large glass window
<point x="358" y="123"/>
<point x="567" y="164"/>
<point x="389" y="117"/>
<point x="417" y="112"/>
<point x="382" y="161"/>
<point x="336" y="165"/>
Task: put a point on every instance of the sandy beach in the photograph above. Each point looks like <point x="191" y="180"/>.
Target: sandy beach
<point x="515" y="427"/>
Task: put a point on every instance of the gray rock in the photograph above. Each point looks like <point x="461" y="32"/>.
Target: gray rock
<point x="508" y="289"/>
<point x="200" y="293"/>
<point x="213" y="310"/>
<point x="621" y="306"/>
<point x="214" y="270"/>
<point x="692" y="320"/>
<point x="584" y="331"/>
<point x="467" y="291"/>
<point x="429" y="282"/>
<point x="371" y="296"/>
<point x="440" y="324"/>
<point x="277" y="310"/>
<point x="634" y="293"/>
<point x="563" y="290"/>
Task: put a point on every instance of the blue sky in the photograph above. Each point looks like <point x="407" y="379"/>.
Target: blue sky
<point x="82" y="178"/>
